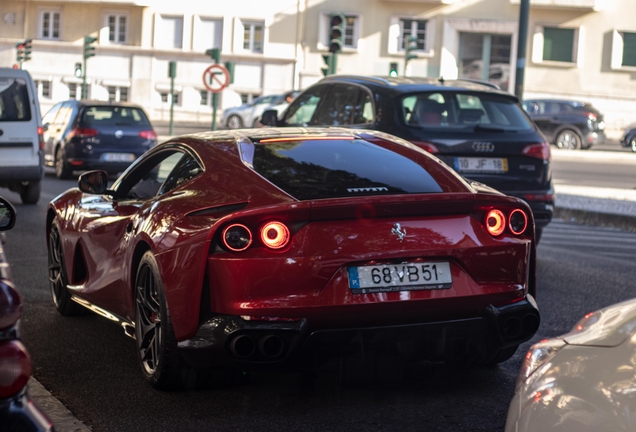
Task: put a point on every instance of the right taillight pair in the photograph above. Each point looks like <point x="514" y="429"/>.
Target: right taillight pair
<point x="497" y="221"/>
<point x="273" y="235"/>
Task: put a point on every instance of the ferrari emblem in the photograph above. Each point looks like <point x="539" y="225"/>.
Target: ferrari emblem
<point x="398" y="231"/>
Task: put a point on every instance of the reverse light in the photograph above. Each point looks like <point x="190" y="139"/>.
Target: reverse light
<point x="429" y="147"/>
<point x="495" y="222"/>
<point x="82" y="132"/>
<point x="10" y="305"/>
<point x="15" y="368"/>
<point x="148" y="134"/>
<point x="518" y="222"/>
<point x="275" y="235"/>
<point x="236" y="237"/>
<point x="539" y="150"/>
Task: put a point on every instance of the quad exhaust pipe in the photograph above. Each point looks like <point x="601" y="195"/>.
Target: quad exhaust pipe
<point x="269" y="346"/>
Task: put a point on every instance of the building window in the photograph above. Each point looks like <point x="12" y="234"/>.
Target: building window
<point x="74" y="91"/>
<point x="50" y="24"/>
<point x="253" y="37"/>
<point x="207" y="33"/>
<point x="204" y="97"/>
<point x="117" y="28"/>
<point x="629" y="49"/>
<point x="416" y="28"/>
<point x="558" y="44"/>
<point x="44" y="89"/>
<point x="165" y="97"/>
<point x="117" y="94"/>
<point x="168" y="32"/>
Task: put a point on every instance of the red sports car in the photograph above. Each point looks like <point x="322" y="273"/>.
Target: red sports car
<point x="258" y="246"/>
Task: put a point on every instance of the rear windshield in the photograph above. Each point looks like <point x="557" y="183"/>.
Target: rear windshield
<point x="114" y="116"/>
<point x="315" y="169"/>
<point x="14" y="100"/>
<point x="463" y="112"/>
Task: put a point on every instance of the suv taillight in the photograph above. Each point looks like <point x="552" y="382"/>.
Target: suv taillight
<point x="592" y="116"/>
<point x="538" y="150"/>
<point x="148" y="134"/>
<point x="10" y="305"/>
<point x="82" y="132"/>
<point x="15" y="368"/>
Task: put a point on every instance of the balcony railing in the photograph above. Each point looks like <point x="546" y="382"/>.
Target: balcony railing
<point x="566" y="4"/>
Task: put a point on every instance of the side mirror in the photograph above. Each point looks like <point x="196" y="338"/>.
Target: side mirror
<point x="7" y="215"/>
<point x="93" y="182"/>
<point x="269" y="118"/>
<point x="45" y="127"/>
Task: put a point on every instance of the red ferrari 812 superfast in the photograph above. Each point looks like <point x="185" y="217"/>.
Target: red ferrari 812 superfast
<point x="256" y="247"/>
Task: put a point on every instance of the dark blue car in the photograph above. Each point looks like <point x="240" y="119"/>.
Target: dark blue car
<point x="88" y="135"/>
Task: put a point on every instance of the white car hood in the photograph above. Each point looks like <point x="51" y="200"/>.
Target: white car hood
<point x="608" y="327"/>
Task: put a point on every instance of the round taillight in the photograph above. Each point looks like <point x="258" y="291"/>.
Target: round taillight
<point x="15" y="368"/>
<point x="10" y="305"/>
<point x="518" y="222"/>
<point x="275" y="235"/>
<point x="237" y="237"/>
<point x="495" y="222"/>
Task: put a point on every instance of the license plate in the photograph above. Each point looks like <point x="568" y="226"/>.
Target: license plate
<point x="118" y="157"/>
<point x="400" y="277"/>
<point x="481" y="165"/>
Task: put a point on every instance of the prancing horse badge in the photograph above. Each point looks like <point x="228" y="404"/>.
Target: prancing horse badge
<point x="398" y="231"/>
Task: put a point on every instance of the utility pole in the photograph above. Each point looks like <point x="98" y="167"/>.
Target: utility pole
<point x="524" y="12"/>
<point x="172" y="73"/>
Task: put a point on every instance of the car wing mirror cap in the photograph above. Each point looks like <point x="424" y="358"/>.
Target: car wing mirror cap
<point x="269" y="117"/>
<point x="7" y="215"/>
<point x="93" y="182"/>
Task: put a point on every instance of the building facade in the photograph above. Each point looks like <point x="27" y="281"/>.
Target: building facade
<point x="577" y="49"/>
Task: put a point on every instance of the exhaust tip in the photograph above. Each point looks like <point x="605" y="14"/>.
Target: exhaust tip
<point x="272" y="346"/>
<point x="242" y="346"/>
<point x="512" y="327"/>
<point x="531" y="324"/>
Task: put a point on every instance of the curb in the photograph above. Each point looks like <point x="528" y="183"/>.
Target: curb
<point x="63" y="420"/>
<point x="586" y="217"/>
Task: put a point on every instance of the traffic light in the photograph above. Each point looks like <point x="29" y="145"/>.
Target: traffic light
<point x="393" y="69"/>
<point x="26" y="53"/>
<point x="20" y="52"/>
<point x="336" y="32"/>
<point x="327" y="59"/>
<point x="214" y="53"/>
<point x="89" y="49"/>
<point x="78" y="70"/>
<point x="410" y="45"/>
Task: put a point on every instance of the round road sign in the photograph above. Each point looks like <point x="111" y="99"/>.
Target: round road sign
<point x="216" y="78"/>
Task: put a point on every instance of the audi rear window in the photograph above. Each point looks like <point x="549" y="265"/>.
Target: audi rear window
<point x="331" y="168"/>
<point x="14" y="100"/>
<point x="114" y="116"/>
<point x="469" y="112"/>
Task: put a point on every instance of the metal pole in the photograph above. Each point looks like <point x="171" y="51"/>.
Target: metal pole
<point x="524" y="12"/>
<point x="215" y="102"/>
<point x="84" y="79"/>
<point x="333" y="64"/>
<point x="171" y="130"/>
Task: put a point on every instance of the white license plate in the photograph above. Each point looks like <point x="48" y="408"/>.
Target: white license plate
<point x="400" y="277"/>
<point x="481" y="165"/>
<point x="118" y="157"/>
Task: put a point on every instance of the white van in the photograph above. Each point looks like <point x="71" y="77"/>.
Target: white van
<point x="21" y="141"/>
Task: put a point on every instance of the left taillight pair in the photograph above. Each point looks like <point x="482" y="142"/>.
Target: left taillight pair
<point x="273" y="235"/>
<point x="497" y="221"/>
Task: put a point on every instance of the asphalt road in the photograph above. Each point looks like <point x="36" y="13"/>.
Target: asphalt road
<point x="90" y="365"/>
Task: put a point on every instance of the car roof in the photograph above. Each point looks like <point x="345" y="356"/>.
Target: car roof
<point x="411" y="84"/>
<point x="89" y="102"/>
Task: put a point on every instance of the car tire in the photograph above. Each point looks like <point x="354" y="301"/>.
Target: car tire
<point x="62" y="170"/>
<point x="58" y="280"/>
<point x="234" y="122"/>
<point x="30" y="193"/>
<point x="632" y="144"/>
<point x="568" y="139"/>
<point x="157" y="350"/>
<point x="537" y="234"/>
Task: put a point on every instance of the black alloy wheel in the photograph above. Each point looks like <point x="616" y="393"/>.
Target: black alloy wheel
<point x="568" y="140"/>
<point x="62" y="170"/>
<point x="58" y="280"/>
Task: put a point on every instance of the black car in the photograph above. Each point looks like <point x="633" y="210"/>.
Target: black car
<point x="569" y="125"/>
<point x="629" y="137"/>
<point x="17" y="410"/>
<point x="480" y="131"/>
<point x="86" y="135"/>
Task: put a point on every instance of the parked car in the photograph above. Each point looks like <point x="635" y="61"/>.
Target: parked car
<point x="248" y="114"/>
<point x="17" y="411"/>
<point x="21" y="143"/>
<point x="629" y="137"/>
<point x="582" y="381"/>
<point x="569" y="125"/>
<point x="257" y="246"/>
<point x="83" y="135"/>
<point x="481" y="132"/>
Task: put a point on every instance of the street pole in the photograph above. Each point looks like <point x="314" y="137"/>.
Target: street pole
<point x="524" y="12"/>
<point x="172" y="73"/>
<point x="84" y="79"/>
<point x="215" y="102"/>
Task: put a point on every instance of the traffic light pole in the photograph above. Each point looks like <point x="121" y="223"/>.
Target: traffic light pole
<point x="84" y="78"/>
<point x="524" y="11"/>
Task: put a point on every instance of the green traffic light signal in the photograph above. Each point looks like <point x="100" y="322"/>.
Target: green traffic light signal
<point x="393" y="69"/>
<point x="89" y="49"/>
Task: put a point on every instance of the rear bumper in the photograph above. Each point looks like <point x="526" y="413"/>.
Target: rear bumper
<point x="229" y="339"/>
<point x="19" y="413"/>
<point x="23" y="172"/>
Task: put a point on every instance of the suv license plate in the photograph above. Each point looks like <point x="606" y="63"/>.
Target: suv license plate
<point x="400" y="277"/>
<point x="481" y="165"/>
<point x="118" y="157"/>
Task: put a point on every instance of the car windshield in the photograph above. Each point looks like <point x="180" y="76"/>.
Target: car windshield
<point x="96" y="116"/>
<point x="329" y="168"/>
<point x="14" y="100"/>
<point x="463" y="112"/>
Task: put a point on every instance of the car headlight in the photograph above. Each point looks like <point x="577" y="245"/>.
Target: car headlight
<point x="537" y="356"/>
